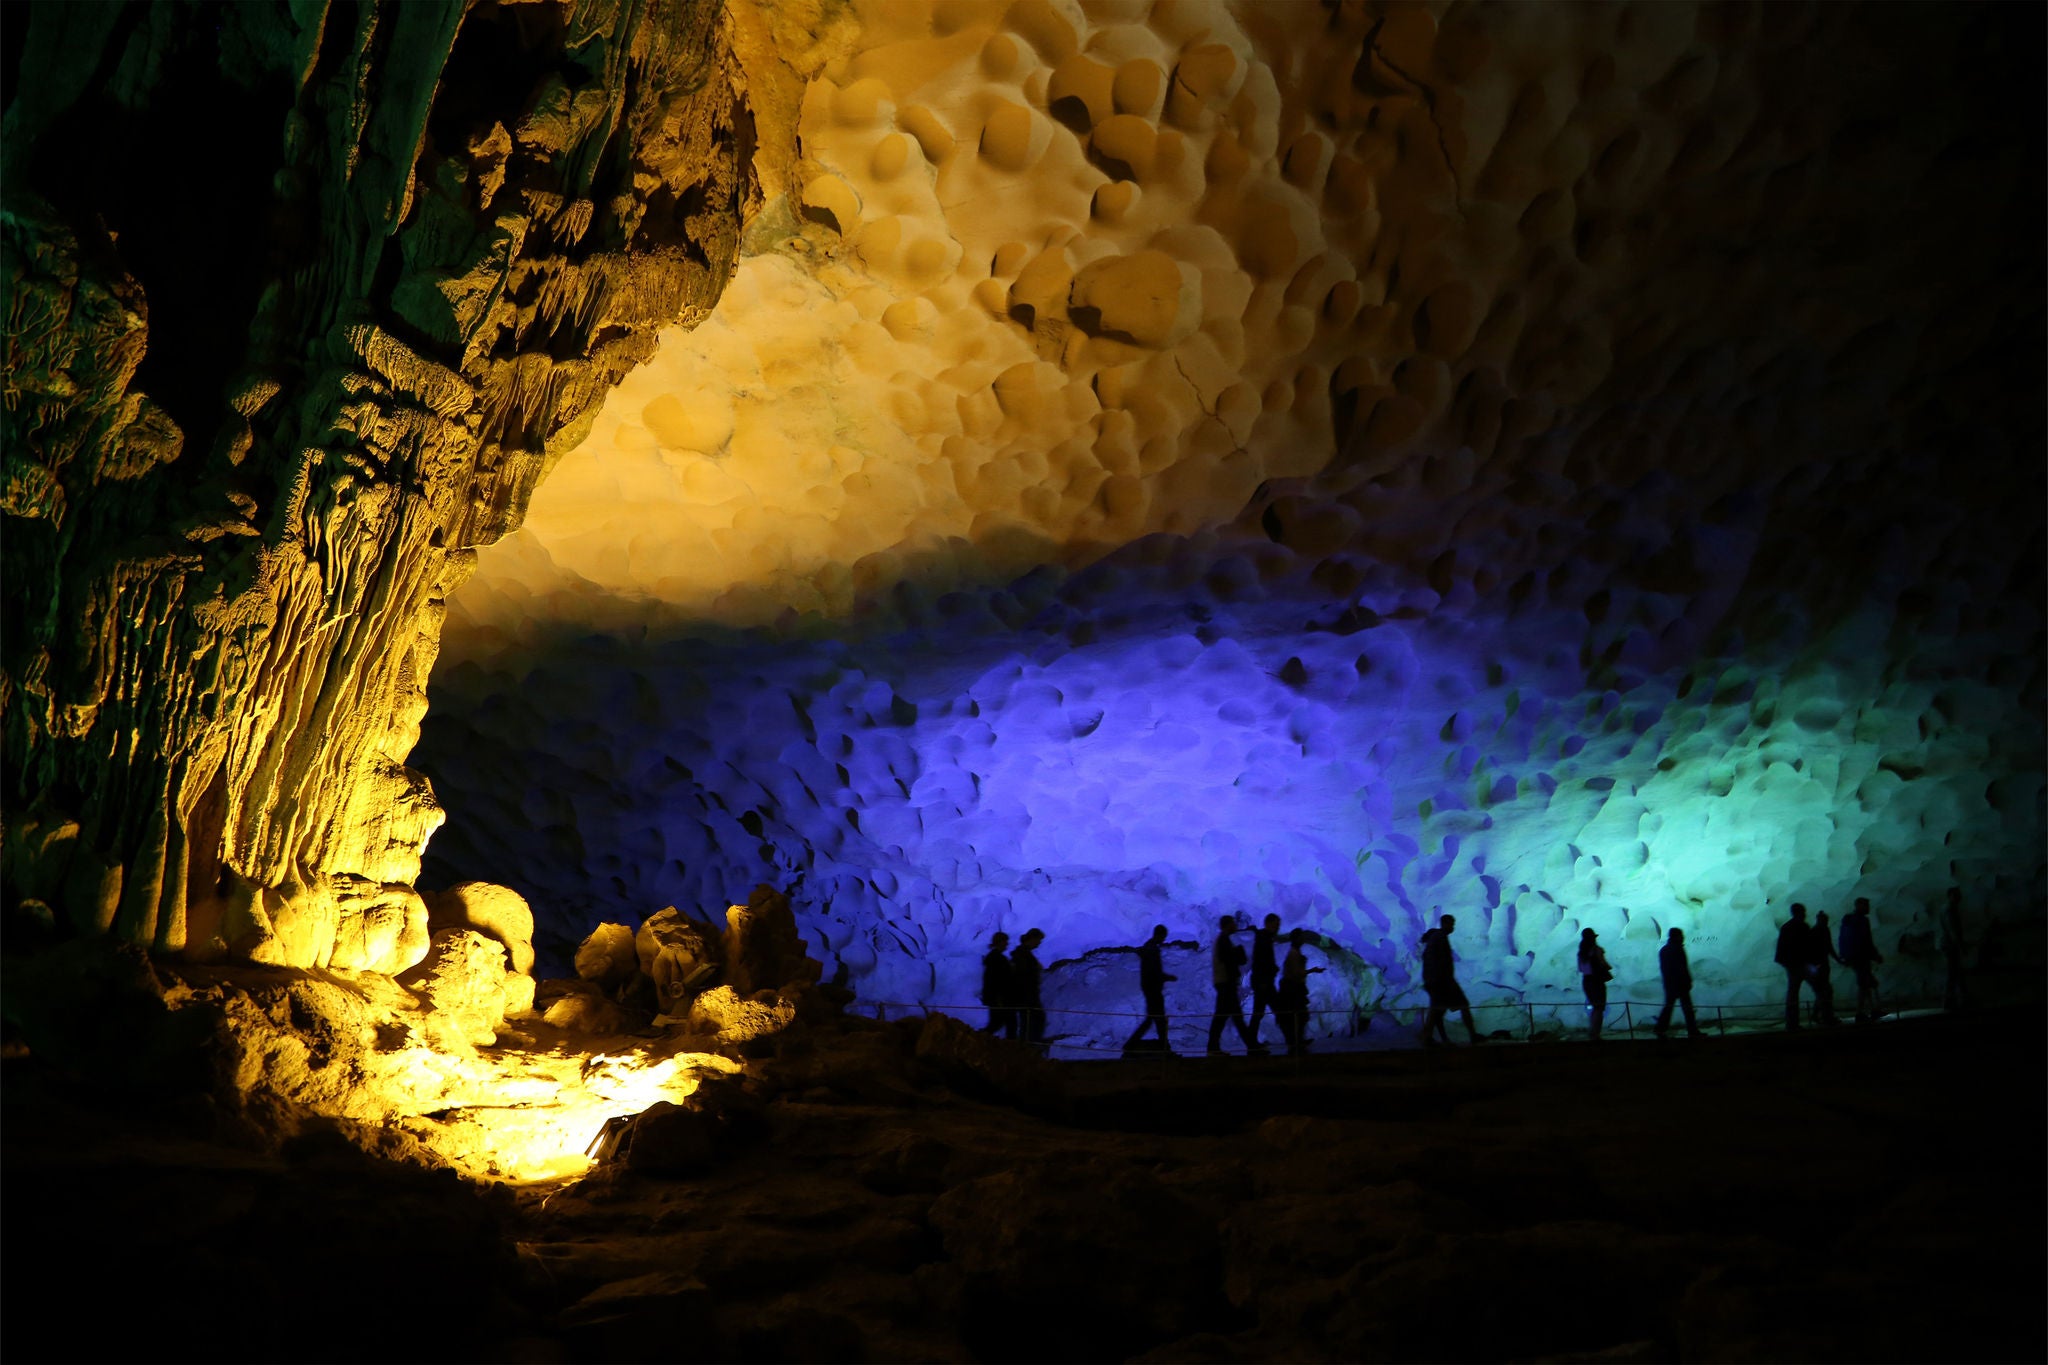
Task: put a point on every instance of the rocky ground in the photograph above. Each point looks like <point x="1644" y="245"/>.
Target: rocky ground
<point x="910" y="1192"/>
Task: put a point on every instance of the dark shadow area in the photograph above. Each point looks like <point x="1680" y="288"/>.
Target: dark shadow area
<point x="1685" y="1202"/>
<point x="183" y="183"/>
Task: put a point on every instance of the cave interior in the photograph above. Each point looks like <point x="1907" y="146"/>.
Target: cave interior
<point x="569" y="563"/>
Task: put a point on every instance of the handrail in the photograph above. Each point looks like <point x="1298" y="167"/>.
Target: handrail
<point x="1764" y="1015"/>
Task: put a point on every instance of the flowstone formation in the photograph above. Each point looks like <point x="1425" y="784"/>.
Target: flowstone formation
<point x="1568" y="468"/>
<point x="302" y="303"/>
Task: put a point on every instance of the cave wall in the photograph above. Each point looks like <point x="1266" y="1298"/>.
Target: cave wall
<point x="1569" y="466"/>
<point x="303" y="300"/>
<point x="1575" y="467"/>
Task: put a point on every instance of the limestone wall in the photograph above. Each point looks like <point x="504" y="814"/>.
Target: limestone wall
<point x="1569" y="466"/>
<point x="302" y="303"/>
<point x="1576" y="465"/>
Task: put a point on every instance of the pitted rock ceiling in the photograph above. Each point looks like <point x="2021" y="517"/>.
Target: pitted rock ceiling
<point x="1156" y="461"/>
<point x="1569" y="466"/>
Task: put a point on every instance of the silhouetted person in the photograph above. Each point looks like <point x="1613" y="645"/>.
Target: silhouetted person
<point x="1226" y="963"/>
<point x="1025" y="975"/>
<point x="1264" y="971"/>
<point x="1791" y="955"/>
<point x="1859" y="952"/>
<point x="1594" y="974"/>
<point x="995" y="988"/>
<point x="1291" y="1007"/>
<point x="1820" y="968"/>
<point x="1440" y="982"/>
<point x="1956" y="996"/>
<point x="1676" y="969"/>
<point x="1152" y="979"/>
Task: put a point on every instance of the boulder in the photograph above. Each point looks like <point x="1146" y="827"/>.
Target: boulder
<point x="462" y="981"/>
<point x="762" y="947"/>
<point x="676" y="953"/>
<point x="607" y="957"/>
<point x="519" y="991"/>
<point x="735" y="1104"/>
<point x="731" y="1018"/>
<point x="369" y="926"/>
<point x="498" y="912"/>
<point x="671" y="1140"/>
<point x="668" y="1140"/>
<point x="579" y="1007"/>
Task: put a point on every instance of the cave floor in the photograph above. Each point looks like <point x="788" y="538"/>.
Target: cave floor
<point x="1857" y="1194"/>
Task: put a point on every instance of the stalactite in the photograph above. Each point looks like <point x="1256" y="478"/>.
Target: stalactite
<point x="247" y="460"/>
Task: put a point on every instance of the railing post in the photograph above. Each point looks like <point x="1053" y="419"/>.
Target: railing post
<point x="1629" y="1017"/>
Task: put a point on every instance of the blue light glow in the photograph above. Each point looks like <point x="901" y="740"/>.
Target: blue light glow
<point x="1153" y="743"/>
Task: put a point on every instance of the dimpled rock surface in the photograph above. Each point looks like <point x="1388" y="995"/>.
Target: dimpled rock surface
<point x="1573" y="475"/>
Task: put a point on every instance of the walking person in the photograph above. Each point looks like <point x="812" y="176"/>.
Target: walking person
<point x="1859" y="951"/>
<point x="1820" y="969"/>
<point x="1676" y="969"/>
<point x="1264" y="971"/>
<point x="1440" y="982"/>
<point x="1291" y="1011"/>
<point x="1791" y="955"/>
<point x="1226" y="965"/>
<point x="995" y="987"/>
<point x="1152" y="979"/>
<point x="1026" y="976"/>
<point x="1594" y="974"/>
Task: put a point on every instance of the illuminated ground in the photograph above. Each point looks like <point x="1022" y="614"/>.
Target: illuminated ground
<point x="1852" y="1195"/>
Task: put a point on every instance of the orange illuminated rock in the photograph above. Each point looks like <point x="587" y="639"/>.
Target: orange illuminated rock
<point x="608" y="957"/>
<point x="463" y="984"/>
<point x="496" y="911"/>
<point x="1142" y="297"/>
<point x="728" y="1017"/>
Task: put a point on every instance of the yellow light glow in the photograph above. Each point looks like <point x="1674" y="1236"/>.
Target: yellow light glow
<point x="527" y="1117"/>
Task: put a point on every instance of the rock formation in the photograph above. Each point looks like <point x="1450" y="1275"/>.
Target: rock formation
<point x="749" y="981"/>
<point x="303" y="304"/>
